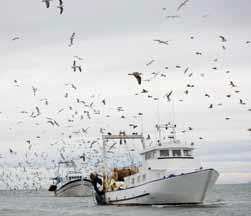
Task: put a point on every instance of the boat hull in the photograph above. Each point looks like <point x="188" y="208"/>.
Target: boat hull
<point x="188" y="188"/>
<point x="77" y="188"/>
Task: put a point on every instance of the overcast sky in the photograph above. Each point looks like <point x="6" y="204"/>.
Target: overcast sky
<point x="115" y="38"/>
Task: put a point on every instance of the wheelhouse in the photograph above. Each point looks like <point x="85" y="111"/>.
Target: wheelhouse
<point x="168" y="153"/>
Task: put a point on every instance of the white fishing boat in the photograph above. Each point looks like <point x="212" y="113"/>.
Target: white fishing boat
<point x="169" y="174"/>
<point x="70" y="182"/>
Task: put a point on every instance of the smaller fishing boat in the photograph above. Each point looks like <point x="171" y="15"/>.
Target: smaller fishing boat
<point x="70" y="182"/>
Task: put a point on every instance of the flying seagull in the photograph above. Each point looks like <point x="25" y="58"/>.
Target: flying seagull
<point x="161" y="41"/>
<point x="182" y="4"/>
<point x="172" y="16"/>
<point x="232" y="84"/>
<point x="61" y="6"/>
<point x="74" y="66"/>
<point x="168" y="95"/>
<point x="137" y="75"/>
<point x="242" y="102"/>
<point x="186" y="70"/>
<point x="150" y="62"/>
<point x="47" y="3"/>
<point x="223" y="39"/>
<point x="15" y="38"/>
<point x="71" y="39"/>
<point x="34" y="89"/>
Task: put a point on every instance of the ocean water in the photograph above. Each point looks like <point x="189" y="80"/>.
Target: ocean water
<point x="223" y="200"/>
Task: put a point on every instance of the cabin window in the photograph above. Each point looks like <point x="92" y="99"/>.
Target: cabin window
<point x="187" y="153"/>
<point x="164" y="153"/>
<point x="150" y="155"/>
<point x="176" y="153"/>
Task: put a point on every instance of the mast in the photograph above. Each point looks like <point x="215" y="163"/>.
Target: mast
<point x="158" y="123"/>
<point x="104" y="164"/>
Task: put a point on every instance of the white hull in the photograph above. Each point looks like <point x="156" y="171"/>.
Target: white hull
<point x="78" y="188"/>
<point x="188" y="188"/>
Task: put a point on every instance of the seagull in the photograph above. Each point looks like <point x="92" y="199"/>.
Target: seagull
<point x="144" y="91"/>
<point x="103" y="101"/>
<point x="79" y="68"/>
<point x="79" y="58"/>
<point x="71" y="39"/>
<point x="74" y="66"/>
<point x="84" y="130"/>
<point x="133" y="126"/>
<point x="182" y="4"/>
<point x="168" y="95"/>
<point x="120" y="109"/>
<point x="150" y="62"/>
<point x="161" y="41"/>
<point x="172" y="17"/>
<point x="242" y="102"/>
<point x="61" y="110"/>
<point x="62" y="156"/>
<point x="137" y="75"/>
<point x="47" y="3"/>
<point x="223" y="39"/>
<point x="34" y="89"/>
<point x="232" y="84"/>
<point x="38" y="111"/>
<point x="211" y="106"/>
<point x="185" y="71"/>
<point x="15" y="38"/>
<point x="61" y="7"/>
<point x="73" y="86"/>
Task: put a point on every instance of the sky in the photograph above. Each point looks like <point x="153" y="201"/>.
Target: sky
<point x="114" y="38"/>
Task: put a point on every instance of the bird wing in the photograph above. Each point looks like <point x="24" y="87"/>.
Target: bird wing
<point x="73" y="86"/>
<point x="169" y="94"/>
<point x="222" y="38"/>
<point x="182" y="5"/>
<point x="47" y="3"/>
<point x="61" y="10"/>
<point x="138" y="77"/>
<point x="186" y="70"/>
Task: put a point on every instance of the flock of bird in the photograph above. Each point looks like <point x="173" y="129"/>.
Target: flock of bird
<point x="83" y="110"/>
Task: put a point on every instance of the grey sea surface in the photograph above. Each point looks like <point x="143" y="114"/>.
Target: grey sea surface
<point x="223" y="200"/>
